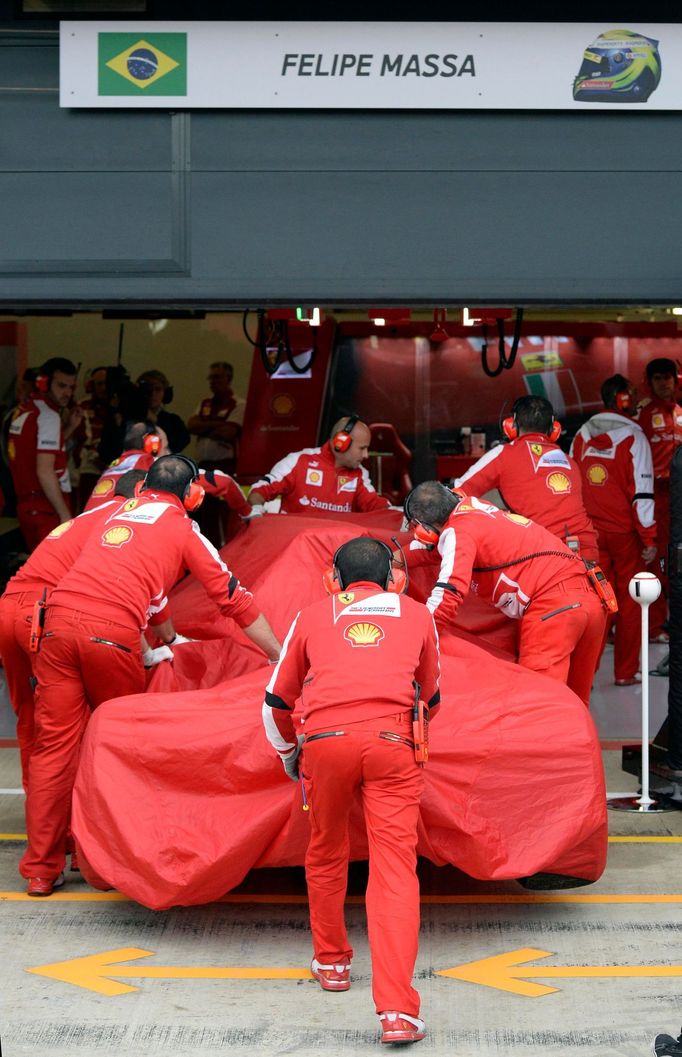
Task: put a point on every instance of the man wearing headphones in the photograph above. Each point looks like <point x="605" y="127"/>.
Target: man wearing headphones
<point x="615" y="461"/>
<point x="36" y="449"/>
<point x="519" y="568"/>
<point x="159" y="393"/>
<point x="326" y="480"/>
<point x="91" y="650"/>
<point x="535" y="477"/>
<point x="363" y="656"/>
<point x="660" y="416"/>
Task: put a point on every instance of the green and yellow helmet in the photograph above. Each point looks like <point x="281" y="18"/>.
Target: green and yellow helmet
<point x="620" y="67"/>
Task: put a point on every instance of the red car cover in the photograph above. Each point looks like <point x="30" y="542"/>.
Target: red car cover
<point x="179" y="795"/>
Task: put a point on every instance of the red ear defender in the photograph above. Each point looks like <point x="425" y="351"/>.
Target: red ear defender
<point x="623" y="401"/>
<point x="42" y="383"/>
<point x="194" y="496"/>
<point x="342" y="440"/>
<point x="330" y="581"/>
<point x="555" y="431"/>
<point x="138" y="487"/>
<point x="151" y="442"/>
<point x="426" y="535"/>
<point x="509" y="427"/>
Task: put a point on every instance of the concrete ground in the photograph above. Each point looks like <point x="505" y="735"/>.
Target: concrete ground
<point x="599" y="967"/>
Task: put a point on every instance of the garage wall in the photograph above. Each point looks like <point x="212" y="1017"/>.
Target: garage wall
<point x="219" y="208"/>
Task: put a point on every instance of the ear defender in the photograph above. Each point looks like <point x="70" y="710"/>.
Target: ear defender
<point x="194" y="493"/>
<point x="623" y="401"/>
<point x="395" y="581"/>
<point x="555" y="431"/>
<point x="342" y="440"/>
<point x="42" y="383"/>
<point x="509" y="427"/>
<point x="424" y="533"/>
<point x="151" y="443"/>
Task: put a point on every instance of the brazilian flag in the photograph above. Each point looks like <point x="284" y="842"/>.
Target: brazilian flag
<point x="142" y="64"/>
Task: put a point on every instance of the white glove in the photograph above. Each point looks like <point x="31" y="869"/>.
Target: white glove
<point x="290" y="762"/>
<point x="178" y="640"/>
<point x="152" y="657"/>
<point x="256" y="511"/>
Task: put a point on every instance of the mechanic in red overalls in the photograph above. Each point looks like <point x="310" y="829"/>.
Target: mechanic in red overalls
<point x="91" y="647"/>
<point x="521" y="569"/>
<point x="330" y="479"/>
<point x="661" y="419"/>
<point x="36" y="450"/>
<point x="534" y="476"/>
<point x="48" y="563"/>
<point x="354" y="660"/>
<point x="615" y="460"/>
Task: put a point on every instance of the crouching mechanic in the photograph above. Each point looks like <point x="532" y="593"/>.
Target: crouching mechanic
<point x="359" y="655"/>
<point x="91" y="650"/>
<point x="326" y="480"/>
<point x="520" y="568"/>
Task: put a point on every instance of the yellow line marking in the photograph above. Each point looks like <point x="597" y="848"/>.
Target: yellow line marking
<point x="431" y="900"/>
<point x="507" y="972"/>
<point x="13" y="836"/>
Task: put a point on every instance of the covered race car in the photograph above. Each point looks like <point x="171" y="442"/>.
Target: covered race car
<point x="179" y="795"/>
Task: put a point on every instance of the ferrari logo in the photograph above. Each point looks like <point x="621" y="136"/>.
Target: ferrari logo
<point x="536" y="449"/>
<point x="131" y="504"/>
<point x="346" y="597"/>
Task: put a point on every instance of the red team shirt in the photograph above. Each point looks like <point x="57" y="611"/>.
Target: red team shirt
<point x="471" y="544"/>
<point x="309" y="482"/>
<point x="36" y="429"/>
<point x="137" y="554"/>
<point x="661" y="421"/>
<point x="537" y="479"/>
<point x="382" y="640"/>
<point x="615" y="460"/>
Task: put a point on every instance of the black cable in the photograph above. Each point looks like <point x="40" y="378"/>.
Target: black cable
<point x="504" y="362"/>
<point x="527" y="557"/>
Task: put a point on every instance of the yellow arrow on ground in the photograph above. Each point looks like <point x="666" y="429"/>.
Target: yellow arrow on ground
<point x="507" y="972"/>
<point x="93" y="972"/>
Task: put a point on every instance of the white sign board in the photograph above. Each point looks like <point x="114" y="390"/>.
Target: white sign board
<point x="372" y="65"/>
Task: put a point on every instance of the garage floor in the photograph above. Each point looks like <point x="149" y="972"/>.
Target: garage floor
<point x="591" y="972"/>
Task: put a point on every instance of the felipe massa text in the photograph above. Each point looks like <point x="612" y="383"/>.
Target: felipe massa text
<point x="320" y="65"/>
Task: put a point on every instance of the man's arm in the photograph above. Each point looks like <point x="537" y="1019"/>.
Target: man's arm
<point x="278" y="482"/>
<point x="367" y="496"/>
<point x="457" y="551"/>
<point x="642" y="491"/>
<point x="283" y="690"/>
<point x="49" y="482"/>
<point x="221" y="485"/>
<point x="428" y="672"/>
<point x="484" y="475"/>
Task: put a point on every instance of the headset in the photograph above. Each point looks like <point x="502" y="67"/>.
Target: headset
<point x="624" y="400"/>
<point x="42" y="383"/>
<point x="193" y="495"/>
<point x="395" y="580"/>
<point x="89" y="385"/>
<point x="510" y="426"/>
<point x="342" y="440"/>
<point x="151" y="444"/>
<point x="423" y="532"/>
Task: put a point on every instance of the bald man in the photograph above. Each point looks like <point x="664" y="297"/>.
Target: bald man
<point x="326" y="480"/>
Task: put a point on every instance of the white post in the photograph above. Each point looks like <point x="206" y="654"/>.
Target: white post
<point x="644" y="589"/>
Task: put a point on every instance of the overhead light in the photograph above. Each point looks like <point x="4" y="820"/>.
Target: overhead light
<point x="677" y="310"/>
<point x="379" y="321"/>
<point x="382" y="316"/>
<point x="475" y="316"/>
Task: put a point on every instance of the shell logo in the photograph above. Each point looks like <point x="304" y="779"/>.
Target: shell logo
<point x="60" y="530"/>
<point x="283" y="404"/>
<point x="364" y="634"/>
<point x="536" y="449"/>
<point x="103" y="487"/>
<point x="597" y="474"/>
<point x="117" y="536"/>
<point x="558" y="482"/>
<point x="518" y="519"/>
<point x="314" y="477"/>
<point x="131" y="504"/>
<point x="11" y="450"/>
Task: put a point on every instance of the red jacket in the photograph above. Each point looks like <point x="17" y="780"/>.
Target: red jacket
<point x="36" y="428"/>
<point x="615" y="460"/>
<point x="352" y="657"/>
<point x="661" y="421"/>
<point x="504" y="558"/>
<point x="537" y="479"/>
<point x="123" y="571"/>
<point x="310" y="482"/>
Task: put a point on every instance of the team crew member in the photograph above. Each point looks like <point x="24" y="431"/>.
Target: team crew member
<point x="48" y="563"/>
<point x="95" y="408"/>
<point x="661" y="419"/>
<point x="615" y="460"/>
<point x="330" y="479"/>
<point x="534" y="476"/>
<point x="359" y="654"/>
<point x="521" y="569"/>
<point x="37" y="451"/>
<point x="91" y="648"/>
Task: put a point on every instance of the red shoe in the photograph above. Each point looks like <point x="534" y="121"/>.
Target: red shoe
<point x="74" y="861"/>
<point x="399" y="1027"/>
<point x="331" y="977"/>
<point x="635" y="680"/>
<point x="41" y="886"/>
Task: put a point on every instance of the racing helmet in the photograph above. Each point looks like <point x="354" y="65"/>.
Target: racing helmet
<point x="621" y="66"/>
